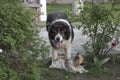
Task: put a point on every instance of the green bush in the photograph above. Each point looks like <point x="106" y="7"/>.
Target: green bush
<point x="20" y="43"/>
<point x="99" y="24"/>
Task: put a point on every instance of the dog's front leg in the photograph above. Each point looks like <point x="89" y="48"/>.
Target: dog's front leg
<point x="54" y="57"/>
<point x="69" y="61"/>
<point x="68" y="52"/>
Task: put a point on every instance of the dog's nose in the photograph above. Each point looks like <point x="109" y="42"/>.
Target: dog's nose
<point x="58" y="39"/>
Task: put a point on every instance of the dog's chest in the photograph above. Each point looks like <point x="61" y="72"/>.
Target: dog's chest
<point x="66" y="43"/>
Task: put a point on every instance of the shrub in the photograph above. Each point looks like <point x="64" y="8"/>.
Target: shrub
<point x="99" y="24"/>
<point x="20" y="43"/>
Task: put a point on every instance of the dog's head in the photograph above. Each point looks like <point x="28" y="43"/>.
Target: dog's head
<point x="59" y="30"/>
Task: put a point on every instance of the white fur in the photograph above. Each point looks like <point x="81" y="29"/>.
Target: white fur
<point x="61" y="20"/>
<point x="59" y="64"/>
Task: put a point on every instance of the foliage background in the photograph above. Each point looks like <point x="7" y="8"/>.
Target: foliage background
<point x="20" y="42"/>
<point x="21" y="45"/>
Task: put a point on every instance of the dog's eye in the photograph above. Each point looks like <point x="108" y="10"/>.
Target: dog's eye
<point x="54" y="31"/>
<point x="63" y="30"/>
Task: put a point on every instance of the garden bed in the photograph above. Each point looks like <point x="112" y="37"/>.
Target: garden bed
<point x="112" y="73"/>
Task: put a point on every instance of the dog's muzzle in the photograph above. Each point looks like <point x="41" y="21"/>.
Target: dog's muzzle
<point x="58" y="41"/>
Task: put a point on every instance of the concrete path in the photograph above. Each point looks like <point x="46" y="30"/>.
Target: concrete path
<point x="78" y="42"/>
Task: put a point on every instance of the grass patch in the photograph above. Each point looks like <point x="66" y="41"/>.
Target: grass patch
<point x="67" y="8"/>
<point x="93" y="71"/>
<point x="63" y="7"/>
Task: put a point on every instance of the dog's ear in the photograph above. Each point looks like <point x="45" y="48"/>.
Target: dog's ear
<point x="72" y="31"/>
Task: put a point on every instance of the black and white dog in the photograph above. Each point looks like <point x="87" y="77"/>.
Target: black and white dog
<point x="60" y="33"/>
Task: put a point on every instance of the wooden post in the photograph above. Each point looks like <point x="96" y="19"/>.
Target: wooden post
<point x="77" y="7"/>
<point x="43" y="10"/>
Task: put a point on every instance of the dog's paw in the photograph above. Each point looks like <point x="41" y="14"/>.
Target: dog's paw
<point x="59" y="64"/>
<point x="51" y="66"/>
<point x="54" y="65"/>
<point x="81" y="70"/>
<point x="86" y="71"/>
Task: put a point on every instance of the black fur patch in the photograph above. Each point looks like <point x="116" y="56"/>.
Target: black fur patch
<point x="54" y="16"/>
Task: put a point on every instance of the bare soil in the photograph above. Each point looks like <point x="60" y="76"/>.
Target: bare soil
<point x="113" y="73"/>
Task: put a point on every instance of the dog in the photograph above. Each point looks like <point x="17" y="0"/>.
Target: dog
<point x="61" y="35"/>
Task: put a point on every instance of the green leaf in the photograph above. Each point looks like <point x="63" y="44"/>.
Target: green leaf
<point x="103" y="61"/>
<point x="96" y="61"/>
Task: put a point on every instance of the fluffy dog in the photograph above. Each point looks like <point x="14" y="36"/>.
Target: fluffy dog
<point x="60" y="33"/>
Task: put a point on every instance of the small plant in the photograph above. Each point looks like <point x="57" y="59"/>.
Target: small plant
<point x="99" y="63"/>
<point x="96" y="66"/>
<point x="113" y="58"/>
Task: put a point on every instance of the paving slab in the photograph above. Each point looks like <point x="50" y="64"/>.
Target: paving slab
<point x="78" y="42"/>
